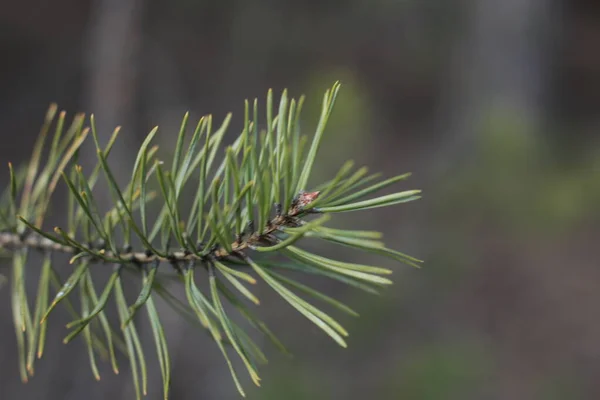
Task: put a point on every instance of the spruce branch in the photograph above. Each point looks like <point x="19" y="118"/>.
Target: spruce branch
<point x="248" y="211"/>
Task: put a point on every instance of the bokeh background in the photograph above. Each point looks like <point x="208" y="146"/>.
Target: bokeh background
<point x="493" y="105"/>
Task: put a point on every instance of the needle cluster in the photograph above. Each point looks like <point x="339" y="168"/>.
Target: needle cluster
<point x="246" y="216"/>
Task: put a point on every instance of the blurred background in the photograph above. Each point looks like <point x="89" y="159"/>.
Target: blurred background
<point x="494" y="107"/>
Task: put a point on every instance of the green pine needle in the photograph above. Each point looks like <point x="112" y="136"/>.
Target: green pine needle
<point x="213" y="209"/>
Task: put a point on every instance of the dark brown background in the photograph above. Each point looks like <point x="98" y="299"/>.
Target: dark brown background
<point x="492" y="104"/>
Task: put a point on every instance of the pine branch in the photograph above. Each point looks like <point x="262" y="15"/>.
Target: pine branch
<point x="249" y="240"/>
<point x="249" y="208"/>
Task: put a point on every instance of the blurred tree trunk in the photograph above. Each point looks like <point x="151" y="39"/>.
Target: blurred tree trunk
<point x="498" y="79"/>
<point x="498" y="68"/>
<point x="111" y="69"/>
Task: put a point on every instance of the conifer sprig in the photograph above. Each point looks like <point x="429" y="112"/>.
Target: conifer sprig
<point x="249" y="206"/>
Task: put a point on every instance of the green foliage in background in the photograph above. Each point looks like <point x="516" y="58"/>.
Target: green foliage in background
<point x="445" y="371"/>
<point x="250" y="210"/>
<point x="519" y="184"/>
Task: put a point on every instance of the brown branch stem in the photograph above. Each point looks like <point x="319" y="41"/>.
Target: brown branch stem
<point x="13" y="241"/>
